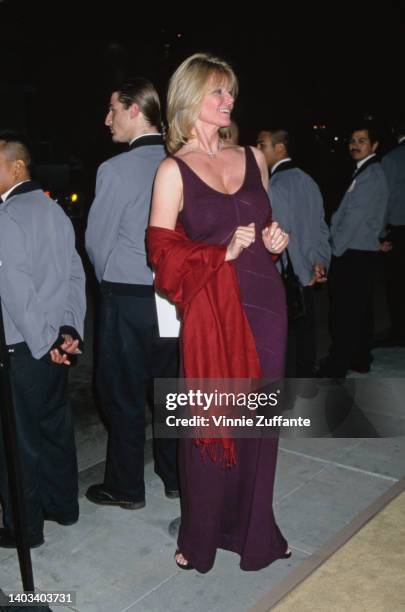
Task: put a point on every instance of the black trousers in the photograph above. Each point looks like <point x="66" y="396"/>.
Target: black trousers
<point x="351" y="286"/>
<point x="301" y="343"/>
<point x="46" y="442"/>
<point x="130" y="355"/>
<point x="394" y="272"/>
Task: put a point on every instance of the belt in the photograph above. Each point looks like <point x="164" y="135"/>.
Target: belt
<point x="361" y="252"/>
<point x="107" y="287"/>
<point x="21" y="348"/>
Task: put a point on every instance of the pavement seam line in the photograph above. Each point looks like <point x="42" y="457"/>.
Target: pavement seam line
<point x="302" y="550"/>
<point x="342" y="465"/>
<point x="134" y="603"/>
<point x="297" y="488"/>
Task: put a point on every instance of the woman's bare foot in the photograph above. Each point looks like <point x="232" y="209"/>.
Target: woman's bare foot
<point x="182" y="561"/>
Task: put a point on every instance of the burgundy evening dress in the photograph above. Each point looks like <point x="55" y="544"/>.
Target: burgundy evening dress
<point x="233" y="508"/>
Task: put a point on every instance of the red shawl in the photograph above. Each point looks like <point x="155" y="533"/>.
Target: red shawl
<point x="217" y="341"/>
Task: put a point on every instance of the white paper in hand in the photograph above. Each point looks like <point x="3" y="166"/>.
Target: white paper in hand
<point x="169" y="324"/>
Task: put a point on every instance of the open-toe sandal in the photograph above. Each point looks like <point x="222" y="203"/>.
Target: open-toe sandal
<point x="185" y="566"/>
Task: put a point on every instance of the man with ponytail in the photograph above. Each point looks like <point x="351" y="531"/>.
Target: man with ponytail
<point x="130" y="351"/>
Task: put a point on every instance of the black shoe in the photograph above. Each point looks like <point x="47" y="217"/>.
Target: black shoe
<point x="287" y="554"/>
<point x="98" y="494"/>
<point x="172" y="493"/>
<point x="7" y="540"/>
<point x="60" y="520"/>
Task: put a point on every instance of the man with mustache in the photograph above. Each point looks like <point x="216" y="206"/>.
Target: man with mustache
<point x="355" y="230"/>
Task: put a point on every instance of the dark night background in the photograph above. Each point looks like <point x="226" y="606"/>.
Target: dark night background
<point x="318" y="64"/>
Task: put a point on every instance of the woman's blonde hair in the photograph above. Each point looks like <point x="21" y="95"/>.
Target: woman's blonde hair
<point x="186" y="91"/>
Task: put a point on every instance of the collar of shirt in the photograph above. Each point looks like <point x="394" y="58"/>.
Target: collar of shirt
<point x="5" y="195"/>
<point x="142" y="135"/>
<point x="286" y="159"/>
<point x="363" y="161"/>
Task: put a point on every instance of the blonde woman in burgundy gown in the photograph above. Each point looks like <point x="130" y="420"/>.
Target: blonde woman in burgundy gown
<point x="218" y="193"/>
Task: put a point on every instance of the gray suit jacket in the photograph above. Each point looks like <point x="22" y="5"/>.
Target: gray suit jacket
<point x="298" y="207"/>
<point x="42" y="281"/>
<point x="394" y="168"/>
<point x="358" y="221"/>
<point x="115" y="235"/>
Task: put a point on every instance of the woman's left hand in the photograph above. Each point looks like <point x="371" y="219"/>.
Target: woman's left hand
<point x="274" y="238"/>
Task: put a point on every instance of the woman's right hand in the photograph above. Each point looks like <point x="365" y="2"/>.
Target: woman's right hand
<point x="243" y="237"/>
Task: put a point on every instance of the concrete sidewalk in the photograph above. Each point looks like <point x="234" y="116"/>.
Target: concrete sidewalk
<point x="118" y="560"/>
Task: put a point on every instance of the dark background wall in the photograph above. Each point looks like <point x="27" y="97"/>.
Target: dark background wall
<point x="318" y="64"/>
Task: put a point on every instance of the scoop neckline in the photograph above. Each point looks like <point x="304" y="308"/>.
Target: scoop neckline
<point x="213" y="188"/>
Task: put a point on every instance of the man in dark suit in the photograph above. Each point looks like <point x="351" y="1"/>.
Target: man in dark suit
<point x="393" y="245"/>
<point x="355" y="230"/>
<point x="130" y="350"/>
<point x="42" y="292"/>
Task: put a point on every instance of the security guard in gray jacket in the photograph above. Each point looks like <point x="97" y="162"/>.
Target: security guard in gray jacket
<point x="131" y="353"/>
<point x="297" y="205"/>
<point x="355" y="230"/>
<point x="42" y="292"/>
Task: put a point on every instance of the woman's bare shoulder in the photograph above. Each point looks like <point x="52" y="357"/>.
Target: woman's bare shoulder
<point x="259" y="155"/>
<point x="168" y="169"/>
<point x="167" y="198"/>
<point x="233" y="148"/>
<point x="260" y="159"/>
